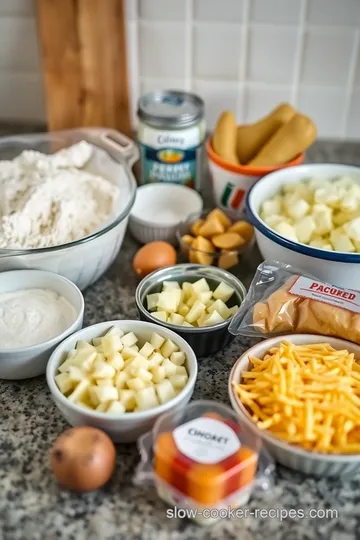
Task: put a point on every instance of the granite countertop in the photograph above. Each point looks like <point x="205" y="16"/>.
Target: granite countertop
<point x="33" y="507"/>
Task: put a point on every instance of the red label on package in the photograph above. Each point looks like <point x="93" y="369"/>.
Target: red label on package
<point x="329" y="294"/>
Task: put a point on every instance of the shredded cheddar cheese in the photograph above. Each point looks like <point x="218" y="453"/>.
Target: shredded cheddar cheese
<point x="308" y="395"/>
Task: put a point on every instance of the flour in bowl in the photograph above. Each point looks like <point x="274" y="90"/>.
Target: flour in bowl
<point x="48" y="200"/>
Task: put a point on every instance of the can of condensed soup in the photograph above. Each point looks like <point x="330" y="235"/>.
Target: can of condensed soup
<point x="171" y="137"/>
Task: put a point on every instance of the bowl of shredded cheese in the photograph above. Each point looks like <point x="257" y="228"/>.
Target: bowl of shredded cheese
<point x="301" y="394"/>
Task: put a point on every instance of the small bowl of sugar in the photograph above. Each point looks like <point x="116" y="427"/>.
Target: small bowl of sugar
<point x="159" y="209"/>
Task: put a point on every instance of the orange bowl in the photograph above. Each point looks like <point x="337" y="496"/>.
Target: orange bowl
<point x="231" y="182"/>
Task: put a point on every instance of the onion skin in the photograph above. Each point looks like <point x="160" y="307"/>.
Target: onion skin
<point x="83" y="459"/>
<point x="153" y="256"/>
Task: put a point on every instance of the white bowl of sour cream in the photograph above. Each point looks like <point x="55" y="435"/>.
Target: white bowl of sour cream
<point x="38" y="310"/>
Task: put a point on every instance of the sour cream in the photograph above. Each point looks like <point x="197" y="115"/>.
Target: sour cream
<point x="32" y="316"/>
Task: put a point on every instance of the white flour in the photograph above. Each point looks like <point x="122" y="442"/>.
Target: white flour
<point x="47" y="200"/>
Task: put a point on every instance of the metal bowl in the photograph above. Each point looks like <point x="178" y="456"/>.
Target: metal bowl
<point x="204" y="341"/>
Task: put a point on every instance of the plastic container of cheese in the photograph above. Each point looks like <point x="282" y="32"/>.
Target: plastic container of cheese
<point x="202" y="459"/>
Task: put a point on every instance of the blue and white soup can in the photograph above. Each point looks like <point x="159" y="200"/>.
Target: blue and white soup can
<point x="171" y="137"/>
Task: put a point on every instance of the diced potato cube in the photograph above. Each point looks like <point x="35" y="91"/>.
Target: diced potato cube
<point x="116" y="407"/>
<point x="127" y="398"/>
<point x="106" y="393"/>
<point x="304" y="229"/>
<point x="232" y="310"/>
<point x="286" y="230"/>
<point x="187" y="290"/>
<point x="272" y="206"/>
<point x="169" y="367"/>
<point x="99" y="349"/>
<point x="80" y="390"/>
<point x="64" y="383"/>
<point x="195" y="312"/>
<point x="96" y="341"/>
<point x="143" y="374"/>
<point x="82" y="344"/>
<point x="183" y="309"/>
<point x="146" y="399"/>
<point x="178" y="381"/>
<point x="220" y="307"/>
<point x="201" y="285"/>
<point x="116" y="361"/>
<point x="178" y="358"/>
<point x="146" y="350"/>
<point x="165" y="391"/>
<point x="103" y="371"/>
<point x="214" y="318"/>
<point x="169" y="301"/>
<point x="274" y="220"/>
<point x="168" y="348"/>
<point x="176" y="319"/>
<point x="76" y="374"/>
<point x="115" y="331"/>
<point x="136" y="363"/>
<point x="136" y="383"/>
<point x="297" y="208"/>
<point x="129" y="352"/>
<point x="341" y="242"/>
<point x="152" y="300"/>
<point x="111" y="344"/>
<point x="94" y="400"/>
<point x="156" y="340"/>
<point x="170" y="285"/>
<point x="155" y="360"/>
<point x="181" y="370"/>
<point x="121" y="379"/>
<point x="326" y="195"/>
<point x="323" y="219"/>
<point x="158" y="374"/>
<point x="102" y="407"/>
<point x="201" y="320"/>
<point x="185" y="323"/>
<point x="85" y="359"/>
<point x="204" y="297"/>
<point x="192" y="299"/>
<point x="104" y="382"/>
<point x="223" y="292"/>
<point x="160" y="315"/>
<point x="352" y="229"/>
<point x="129" y="339"/>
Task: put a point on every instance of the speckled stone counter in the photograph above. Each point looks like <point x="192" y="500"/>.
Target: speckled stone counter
<point x="32" y="507"/>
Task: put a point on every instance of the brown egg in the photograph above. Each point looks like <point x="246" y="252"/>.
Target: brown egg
<point x="153" y="256"/>
<point x="83" y="459"/>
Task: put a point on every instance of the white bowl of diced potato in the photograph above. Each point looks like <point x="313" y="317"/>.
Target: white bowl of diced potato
<point x="119" y="376"/>
<point x="309" y="216"/>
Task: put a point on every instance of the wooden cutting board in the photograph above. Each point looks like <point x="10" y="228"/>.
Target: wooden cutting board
<point x="83" y="47"/>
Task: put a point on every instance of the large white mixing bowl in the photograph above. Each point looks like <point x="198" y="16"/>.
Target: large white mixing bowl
<point x="84" y="260"/>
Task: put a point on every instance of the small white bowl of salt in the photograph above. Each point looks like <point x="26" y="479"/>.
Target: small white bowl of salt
<point x="159" y="209"/>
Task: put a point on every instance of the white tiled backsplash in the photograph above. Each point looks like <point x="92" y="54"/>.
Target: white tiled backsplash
<point x="244" y="55"/>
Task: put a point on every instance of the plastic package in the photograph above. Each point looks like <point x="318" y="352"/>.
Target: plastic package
<point x="282" y="300"/>
<point x="203" y="458"/>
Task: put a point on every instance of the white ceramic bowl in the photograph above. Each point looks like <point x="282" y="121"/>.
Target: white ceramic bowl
<point x="159" y="209"/>
<point x="26" y="362"/>
<point x="82" y="261"/>
<point x="120" y="427"/>
<point x="337" y="268"/>
<point x="313" y="463"/>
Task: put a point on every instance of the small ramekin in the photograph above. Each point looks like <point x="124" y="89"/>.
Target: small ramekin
<point x="159" y="209"/>
<point x="27" y="362"/>
<point x="206" y="340"/>
<point x="126" y="427"/>
<point x="294" y="457"/>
